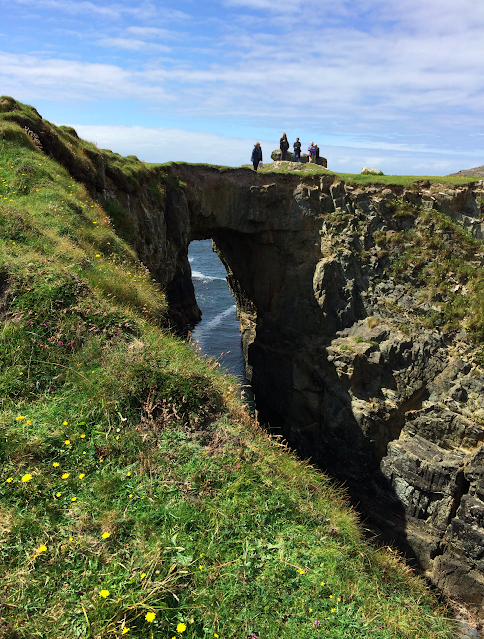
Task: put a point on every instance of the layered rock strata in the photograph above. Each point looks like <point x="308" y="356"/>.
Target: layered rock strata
<point x="341" y="364"/>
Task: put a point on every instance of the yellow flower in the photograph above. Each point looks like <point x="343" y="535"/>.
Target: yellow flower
<point x="330" y="596"/>
<point x="181" y="627"/>
<point x="322" y="583"/>
<point x="200" y="567"/>
<point x="20" y="417"/>
<point x="58" y="494"/>
<point x="143" y="575"/>
<point x="215" y="634"/>
<point x="9" y="480"/>
<point x="150" y="616"/>
<point x="105" y="535"/>
<point x="65" y="475"/>
<point x="125" y="630"/>
<point x="128" y="474"/>
<point x="130" y="496"/>
<point x="28" y="422"/>
<point x="42" y="548"/>
<point x="74" y="499"/>
<point x="67" y="442"/>
<point x="64" y="423"/>
<point x="56" y="464"/>
<point x="97" y="255"/>
<point x="333" y="609"/>
<point x="300" y="571"/>
<point x="82" y="475"/>
<point x="338" y="599"/>
<point x="104" y="593"/>
<point x="83" y="452"/>
<point x="26" y="478"/>
<point x="82" y="437"/>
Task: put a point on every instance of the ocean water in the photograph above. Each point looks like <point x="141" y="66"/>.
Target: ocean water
<point x="218" y="334"/>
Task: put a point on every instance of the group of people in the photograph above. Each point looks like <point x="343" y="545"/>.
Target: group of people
<point x="313" y="152"/>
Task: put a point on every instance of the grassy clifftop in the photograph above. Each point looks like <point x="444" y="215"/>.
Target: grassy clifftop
<point x="138" y="497"/>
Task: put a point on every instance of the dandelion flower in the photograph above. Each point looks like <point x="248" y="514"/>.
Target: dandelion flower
<point x="125" y="630"/>
<point x="67" y="442"/>
<point x="143" y="575"/>
<point x="28" y="422"/>
<point x="56" y="464"/>
<point x="200" y="567"/>
<point x="104" y="593"/>
<point x="42" y="548"/>
<point x="58" y="494"/>
<point x="130" y="496"/>
<point x="82" y="475"/>
<point x="215" y="634"/>
<point x="83" y="437"/>
<point x="330" y="596"/>
<point x="322" y="583"/>
<point x="20" y="417"/>
<point x="9" y="480"/>
<point x="65" y="475"/>
<point x="26" y="478"/>
<point x="83" y="452"/>
<point x="150" y="616"/>
<point x="181" y="627"/>
<point x="74" y="499"/>
<point x="128" y="474"/>
<point x="64" y="423"/>
<point x="105" y="535"/>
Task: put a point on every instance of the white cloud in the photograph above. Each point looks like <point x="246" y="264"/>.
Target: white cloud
<point x="131" y="44"/>
<point x="177" y="145"/>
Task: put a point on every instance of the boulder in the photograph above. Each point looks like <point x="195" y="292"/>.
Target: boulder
<point x="366" y="170"/>
<point x="276" y="156"/>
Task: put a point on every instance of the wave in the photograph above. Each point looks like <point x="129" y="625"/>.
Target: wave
<point x="196" y="275"/>
<point x="213" y="323"/>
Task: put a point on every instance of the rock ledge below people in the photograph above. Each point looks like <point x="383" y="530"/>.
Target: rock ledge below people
<point x="366" y="170"/>
<point x="276" y="156"/>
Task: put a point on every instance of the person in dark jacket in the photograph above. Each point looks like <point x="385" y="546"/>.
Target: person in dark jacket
<point x="297" y="150"/>
<point x="284" y="146"/>
<point x="256" y="155"/>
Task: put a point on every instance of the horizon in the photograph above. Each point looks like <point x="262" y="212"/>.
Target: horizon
<point x="394" y="86"/>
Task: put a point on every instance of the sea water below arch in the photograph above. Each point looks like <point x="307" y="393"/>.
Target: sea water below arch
<point x="218" y="334"/>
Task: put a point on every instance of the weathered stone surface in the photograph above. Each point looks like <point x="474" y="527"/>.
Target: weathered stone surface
<point x="276" y="156"/>
<point x="332" y="346"/>
<point x="370" y="171"/>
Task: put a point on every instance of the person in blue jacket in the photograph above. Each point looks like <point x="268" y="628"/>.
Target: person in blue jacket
<point x="297" y="150"/>
<point x="256" y="155"/>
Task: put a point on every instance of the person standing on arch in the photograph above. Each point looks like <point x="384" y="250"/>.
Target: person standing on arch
<point x="297" y="150"/>
<point x="284" y="146"/>
<point x="256" y="155"/>
<point x="312" y="153"/>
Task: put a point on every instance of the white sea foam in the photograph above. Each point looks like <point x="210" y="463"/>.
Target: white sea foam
<point x="196" y="275"/>
<point x="216" y="321"/>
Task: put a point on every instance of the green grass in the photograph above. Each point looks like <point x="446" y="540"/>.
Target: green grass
<point x="133" y="482"/>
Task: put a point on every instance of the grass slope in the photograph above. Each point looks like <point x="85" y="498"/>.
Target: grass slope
<point x="138" y="498"/>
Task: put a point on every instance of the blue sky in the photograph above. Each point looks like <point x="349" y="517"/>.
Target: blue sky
<point x="398" y="85"/>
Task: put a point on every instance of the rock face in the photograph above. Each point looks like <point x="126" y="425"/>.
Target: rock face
<point x="340" y="362"/>
<point x="366" y="170"/>
<point x="276" y="156"/>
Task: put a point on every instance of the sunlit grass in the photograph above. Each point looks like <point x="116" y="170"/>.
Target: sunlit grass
<point x="138" y="497"/>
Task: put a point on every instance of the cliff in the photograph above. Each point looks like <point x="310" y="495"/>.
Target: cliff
<point x="360" y="312"/>
<point x="361" y="322"/>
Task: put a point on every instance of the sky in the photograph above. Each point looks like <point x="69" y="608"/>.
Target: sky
<point x="396" y="85"/>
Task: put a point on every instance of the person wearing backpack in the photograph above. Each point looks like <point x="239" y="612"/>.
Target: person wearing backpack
<point x="297" y="150"/>
<point x="256" y="155"/>
<point x="284" y="146"/>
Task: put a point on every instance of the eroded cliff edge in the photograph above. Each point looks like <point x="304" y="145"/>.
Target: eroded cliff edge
<point x="353" y="356"/>
<point x="348" y="300"/>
